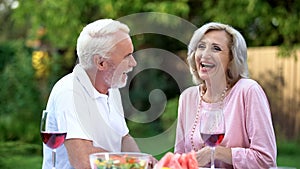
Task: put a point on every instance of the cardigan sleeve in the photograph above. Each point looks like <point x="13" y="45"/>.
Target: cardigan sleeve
<point x="179" y="142"/>
<point x="262" y="151"/>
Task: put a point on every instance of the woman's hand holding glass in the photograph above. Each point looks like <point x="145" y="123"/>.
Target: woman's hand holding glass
<point x="212" y="128"/>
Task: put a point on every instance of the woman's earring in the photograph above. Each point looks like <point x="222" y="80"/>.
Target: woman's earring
<point x="229" y="74"/>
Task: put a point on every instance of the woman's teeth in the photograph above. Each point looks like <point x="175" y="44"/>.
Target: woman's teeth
<point x="207" y="65"/>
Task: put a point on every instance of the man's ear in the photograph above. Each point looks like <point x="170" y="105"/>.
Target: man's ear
<point x="100" y="62"/>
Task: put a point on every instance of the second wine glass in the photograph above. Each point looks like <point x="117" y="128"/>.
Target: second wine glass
<point x="53" y="136"/>
<point x="212" y="128"/>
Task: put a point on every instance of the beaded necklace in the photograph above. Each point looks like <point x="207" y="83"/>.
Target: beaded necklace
<point x="198" y="114"/>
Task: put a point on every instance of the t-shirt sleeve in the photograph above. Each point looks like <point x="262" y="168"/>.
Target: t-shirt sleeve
<point x="65" y="105"/>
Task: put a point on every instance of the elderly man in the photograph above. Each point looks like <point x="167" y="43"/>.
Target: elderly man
<point x="89" y="98"/>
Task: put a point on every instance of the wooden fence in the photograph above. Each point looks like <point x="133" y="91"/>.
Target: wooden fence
<point x="280" y="78"/>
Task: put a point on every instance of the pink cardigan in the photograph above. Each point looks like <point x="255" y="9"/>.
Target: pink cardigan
<point x="249" y="129"/>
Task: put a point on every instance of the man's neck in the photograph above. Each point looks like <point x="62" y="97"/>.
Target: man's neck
<point x="97" y="81"/>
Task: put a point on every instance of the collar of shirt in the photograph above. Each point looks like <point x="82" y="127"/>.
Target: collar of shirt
<point x="85" y="81"/>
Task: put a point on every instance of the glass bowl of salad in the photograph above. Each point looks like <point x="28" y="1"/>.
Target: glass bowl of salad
<point x="119" y="160"/>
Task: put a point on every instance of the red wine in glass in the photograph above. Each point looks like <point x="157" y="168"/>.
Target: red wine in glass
<point x="212" y="128"/>
<point x="53" y="139"/>
<point x="212" y="140"/>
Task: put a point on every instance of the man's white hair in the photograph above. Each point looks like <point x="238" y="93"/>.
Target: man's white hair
<point x="97" y="38"/>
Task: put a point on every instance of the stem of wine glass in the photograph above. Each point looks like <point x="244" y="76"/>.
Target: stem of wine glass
<point x="53" y="158"/>
<point x="212" y="158"/>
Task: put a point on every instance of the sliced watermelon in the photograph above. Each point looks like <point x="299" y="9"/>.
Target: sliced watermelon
<point x="164" y="161"/>
<point x="178" y="161"/>
<point x="192" y="160"/>
<point x="174" y="163"/>
<point x="183" y="161"/>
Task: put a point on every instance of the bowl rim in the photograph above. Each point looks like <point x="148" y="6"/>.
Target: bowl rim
<point x="120" y="153"/>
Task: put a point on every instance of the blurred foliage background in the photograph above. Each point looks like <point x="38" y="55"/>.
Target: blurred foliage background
<point x="38" y="40"/>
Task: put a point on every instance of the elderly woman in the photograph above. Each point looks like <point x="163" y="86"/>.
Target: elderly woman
<point x="217" y="57"/>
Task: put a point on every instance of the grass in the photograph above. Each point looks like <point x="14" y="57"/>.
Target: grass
<point x="29" y="156"/>
<point x="288" y="154"/>
<point x="20" y="155"/>
<point x="288" y="160"/>
<point x="21" y="161"/>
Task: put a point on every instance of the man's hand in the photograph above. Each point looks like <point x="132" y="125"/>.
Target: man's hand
<point x="152" y="162"/>
<point x="129" y="144"/>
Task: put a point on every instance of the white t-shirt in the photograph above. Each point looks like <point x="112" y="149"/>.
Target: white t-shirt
<point x="89" y="115"/>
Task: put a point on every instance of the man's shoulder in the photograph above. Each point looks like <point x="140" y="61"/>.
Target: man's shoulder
<point x="65" y="81"/>
<point x="63" y="84"/>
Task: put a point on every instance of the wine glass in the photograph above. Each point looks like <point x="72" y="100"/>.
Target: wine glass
<point x="212" y="128"/>
<point x="52" y="135"/>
